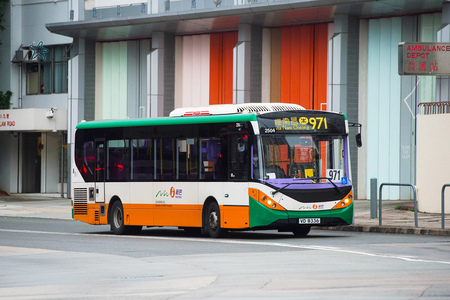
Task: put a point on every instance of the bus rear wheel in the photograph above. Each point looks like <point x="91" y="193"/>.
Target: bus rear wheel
<point x="212" y="220"/>
<point x="301" y="230"/>
<point x="117" y="221"/>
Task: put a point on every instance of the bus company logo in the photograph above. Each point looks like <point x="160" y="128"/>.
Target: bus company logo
<point x="313" y="207"/>
<point x="305" y="207"/>
<point x="173" y="193"/>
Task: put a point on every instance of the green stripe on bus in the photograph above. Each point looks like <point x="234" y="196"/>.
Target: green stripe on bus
<point x="263" y="216"/>
<point x="167" y="121"/>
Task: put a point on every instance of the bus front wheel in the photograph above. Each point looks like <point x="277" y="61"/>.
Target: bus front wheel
<point x="212" y="221"/>
<point x="301" y="230"/>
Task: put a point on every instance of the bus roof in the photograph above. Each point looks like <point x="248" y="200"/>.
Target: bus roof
<point x="167" y="121"/>
<point x="227" y="109"/>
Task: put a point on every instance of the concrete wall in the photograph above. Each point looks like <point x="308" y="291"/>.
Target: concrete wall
<point x="433" y="161"/>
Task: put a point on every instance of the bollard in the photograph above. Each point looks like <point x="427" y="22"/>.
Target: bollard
<point x="373" y="198"/>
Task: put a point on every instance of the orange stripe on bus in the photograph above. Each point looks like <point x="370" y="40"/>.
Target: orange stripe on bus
<point x="179" y="215"/>
<point x="234" y="217"/>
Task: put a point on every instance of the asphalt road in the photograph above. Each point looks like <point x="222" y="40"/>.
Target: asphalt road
<point x="44" y="259"/>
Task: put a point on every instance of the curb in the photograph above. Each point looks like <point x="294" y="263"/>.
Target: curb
<point x="390" y="229"/>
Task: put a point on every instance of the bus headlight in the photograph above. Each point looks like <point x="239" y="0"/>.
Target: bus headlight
<point x="346" y="201"/>
<point x="264" y="199"/>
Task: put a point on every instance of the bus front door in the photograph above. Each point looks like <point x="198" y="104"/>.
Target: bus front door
<point x="99" y="171"/>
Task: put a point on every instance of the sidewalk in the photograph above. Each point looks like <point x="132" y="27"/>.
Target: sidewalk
<point x="52" y="206"/>
<point x="47" y="206"/>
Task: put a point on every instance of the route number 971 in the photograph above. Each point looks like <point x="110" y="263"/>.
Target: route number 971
<point x="335" y="174"/>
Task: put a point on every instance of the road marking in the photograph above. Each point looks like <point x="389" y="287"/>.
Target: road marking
<point x="224" y="241"/>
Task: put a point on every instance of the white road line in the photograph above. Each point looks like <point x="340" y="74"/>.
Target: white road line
<point x="224" y="241"/>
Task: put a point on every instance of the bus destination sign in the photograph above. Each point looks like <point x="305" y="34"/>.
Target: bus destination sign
<point x="423" y="58"/>
<point x="302" y="122"/>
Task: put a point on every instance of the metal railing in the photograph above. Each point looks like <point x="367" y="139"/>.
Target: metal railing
<point x="443" y="206"/>
<point x="399" y="184"/>
<point x="433" y="108"/>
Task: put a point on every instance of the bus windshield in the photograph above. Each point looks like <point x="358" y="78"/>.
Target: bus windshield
<point x="293" y="156"/>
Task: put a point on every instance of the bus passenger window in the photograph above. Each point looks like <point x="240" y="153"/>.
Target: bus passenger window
<point x="211" y="158"/>
<point x="88" y="160"/>
<point x="187" y="159"/>
<point x="165" y="159"/>
<point x="238" y="156"/>
<point x="142" y="160"/>
<point x="118" y="168"/>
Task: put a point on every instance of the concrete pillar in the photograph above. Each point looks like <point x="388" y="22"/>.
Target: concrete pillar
<point x="157" y="76"/>
<point x="241" y="62"/>
<point x="337" y="65"/>
<point x="75" y="107"/>
<point x="247" y="61"/>
<point x="343" y="65"/>
<point x="161" y="66"/>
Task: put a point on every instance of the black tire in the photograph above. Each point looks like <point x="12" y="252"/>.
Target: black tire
<point x="117" y="219"/>
<point x="212" y="221"/>
<point x="301" y="230"/>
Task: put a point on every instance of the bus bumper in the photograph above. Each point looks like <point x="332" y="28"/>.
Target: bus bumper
<point x="261" y="216"/>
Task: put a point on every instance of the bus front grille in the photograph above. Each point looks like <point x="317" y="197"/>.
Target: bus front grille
<point x="80" y="201"/>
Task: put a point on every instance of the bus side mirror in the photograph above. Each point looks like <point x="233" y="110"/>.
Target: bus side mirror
<point x="358" y="140"/>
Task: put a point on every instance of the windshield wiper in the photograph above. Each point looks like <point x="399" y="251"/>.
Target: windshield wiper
<point x="329" y="179"/>
<point x="309" y="178"/>
<point x="281" y="188"/>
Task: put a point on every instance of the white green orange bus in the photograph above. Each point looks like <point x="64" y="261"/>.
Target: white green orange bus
<point x="215" y="169"/>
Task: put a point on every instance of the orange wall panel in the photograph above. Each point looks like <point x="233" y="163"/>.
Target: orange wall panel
<point x="303" y="65"/>
<point x="221" y="67"/>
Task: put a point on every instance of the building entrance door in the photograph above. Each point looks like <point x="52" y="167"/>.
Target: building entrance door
<point x="31" y="162"/>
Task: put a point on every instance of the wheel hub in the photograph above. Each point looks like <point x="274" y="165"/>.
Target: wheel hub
<point x="213" y="220"/>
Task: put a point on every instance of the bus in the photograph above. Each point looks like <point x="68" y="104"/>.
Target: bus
<point x="213" y="169"/>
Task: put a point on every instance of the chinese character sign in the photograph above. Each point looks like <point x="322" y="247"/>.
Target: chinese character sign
<point x="424" y="58"/>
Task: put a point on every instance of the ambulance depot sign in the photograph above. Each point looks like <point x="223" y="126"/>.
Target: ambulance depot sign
<point x="424" y="58"/>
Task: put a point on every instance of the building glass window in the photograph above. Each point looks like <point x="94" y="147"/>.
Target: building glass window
<point x="49" y="76"/>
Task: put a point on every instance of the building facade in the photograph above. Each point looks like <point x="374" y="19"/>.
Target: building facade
<point x="131" y="59"/>
<point x="33" y="125"/>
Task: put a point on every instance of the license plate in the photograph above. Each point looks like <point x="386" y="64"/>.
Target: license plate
<point x="309" y="221"/>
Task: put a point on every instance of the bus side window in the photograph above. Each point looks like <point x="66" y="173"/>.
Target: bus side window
<point x="211" y="158"/>
<point x="88" y="160"/>
<point x="187" y="159"/>
<point x="118" y="166"/>
<point x="238" y="157"/>
<point x="142" y="160"/>
<point x="165" y="159"/>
